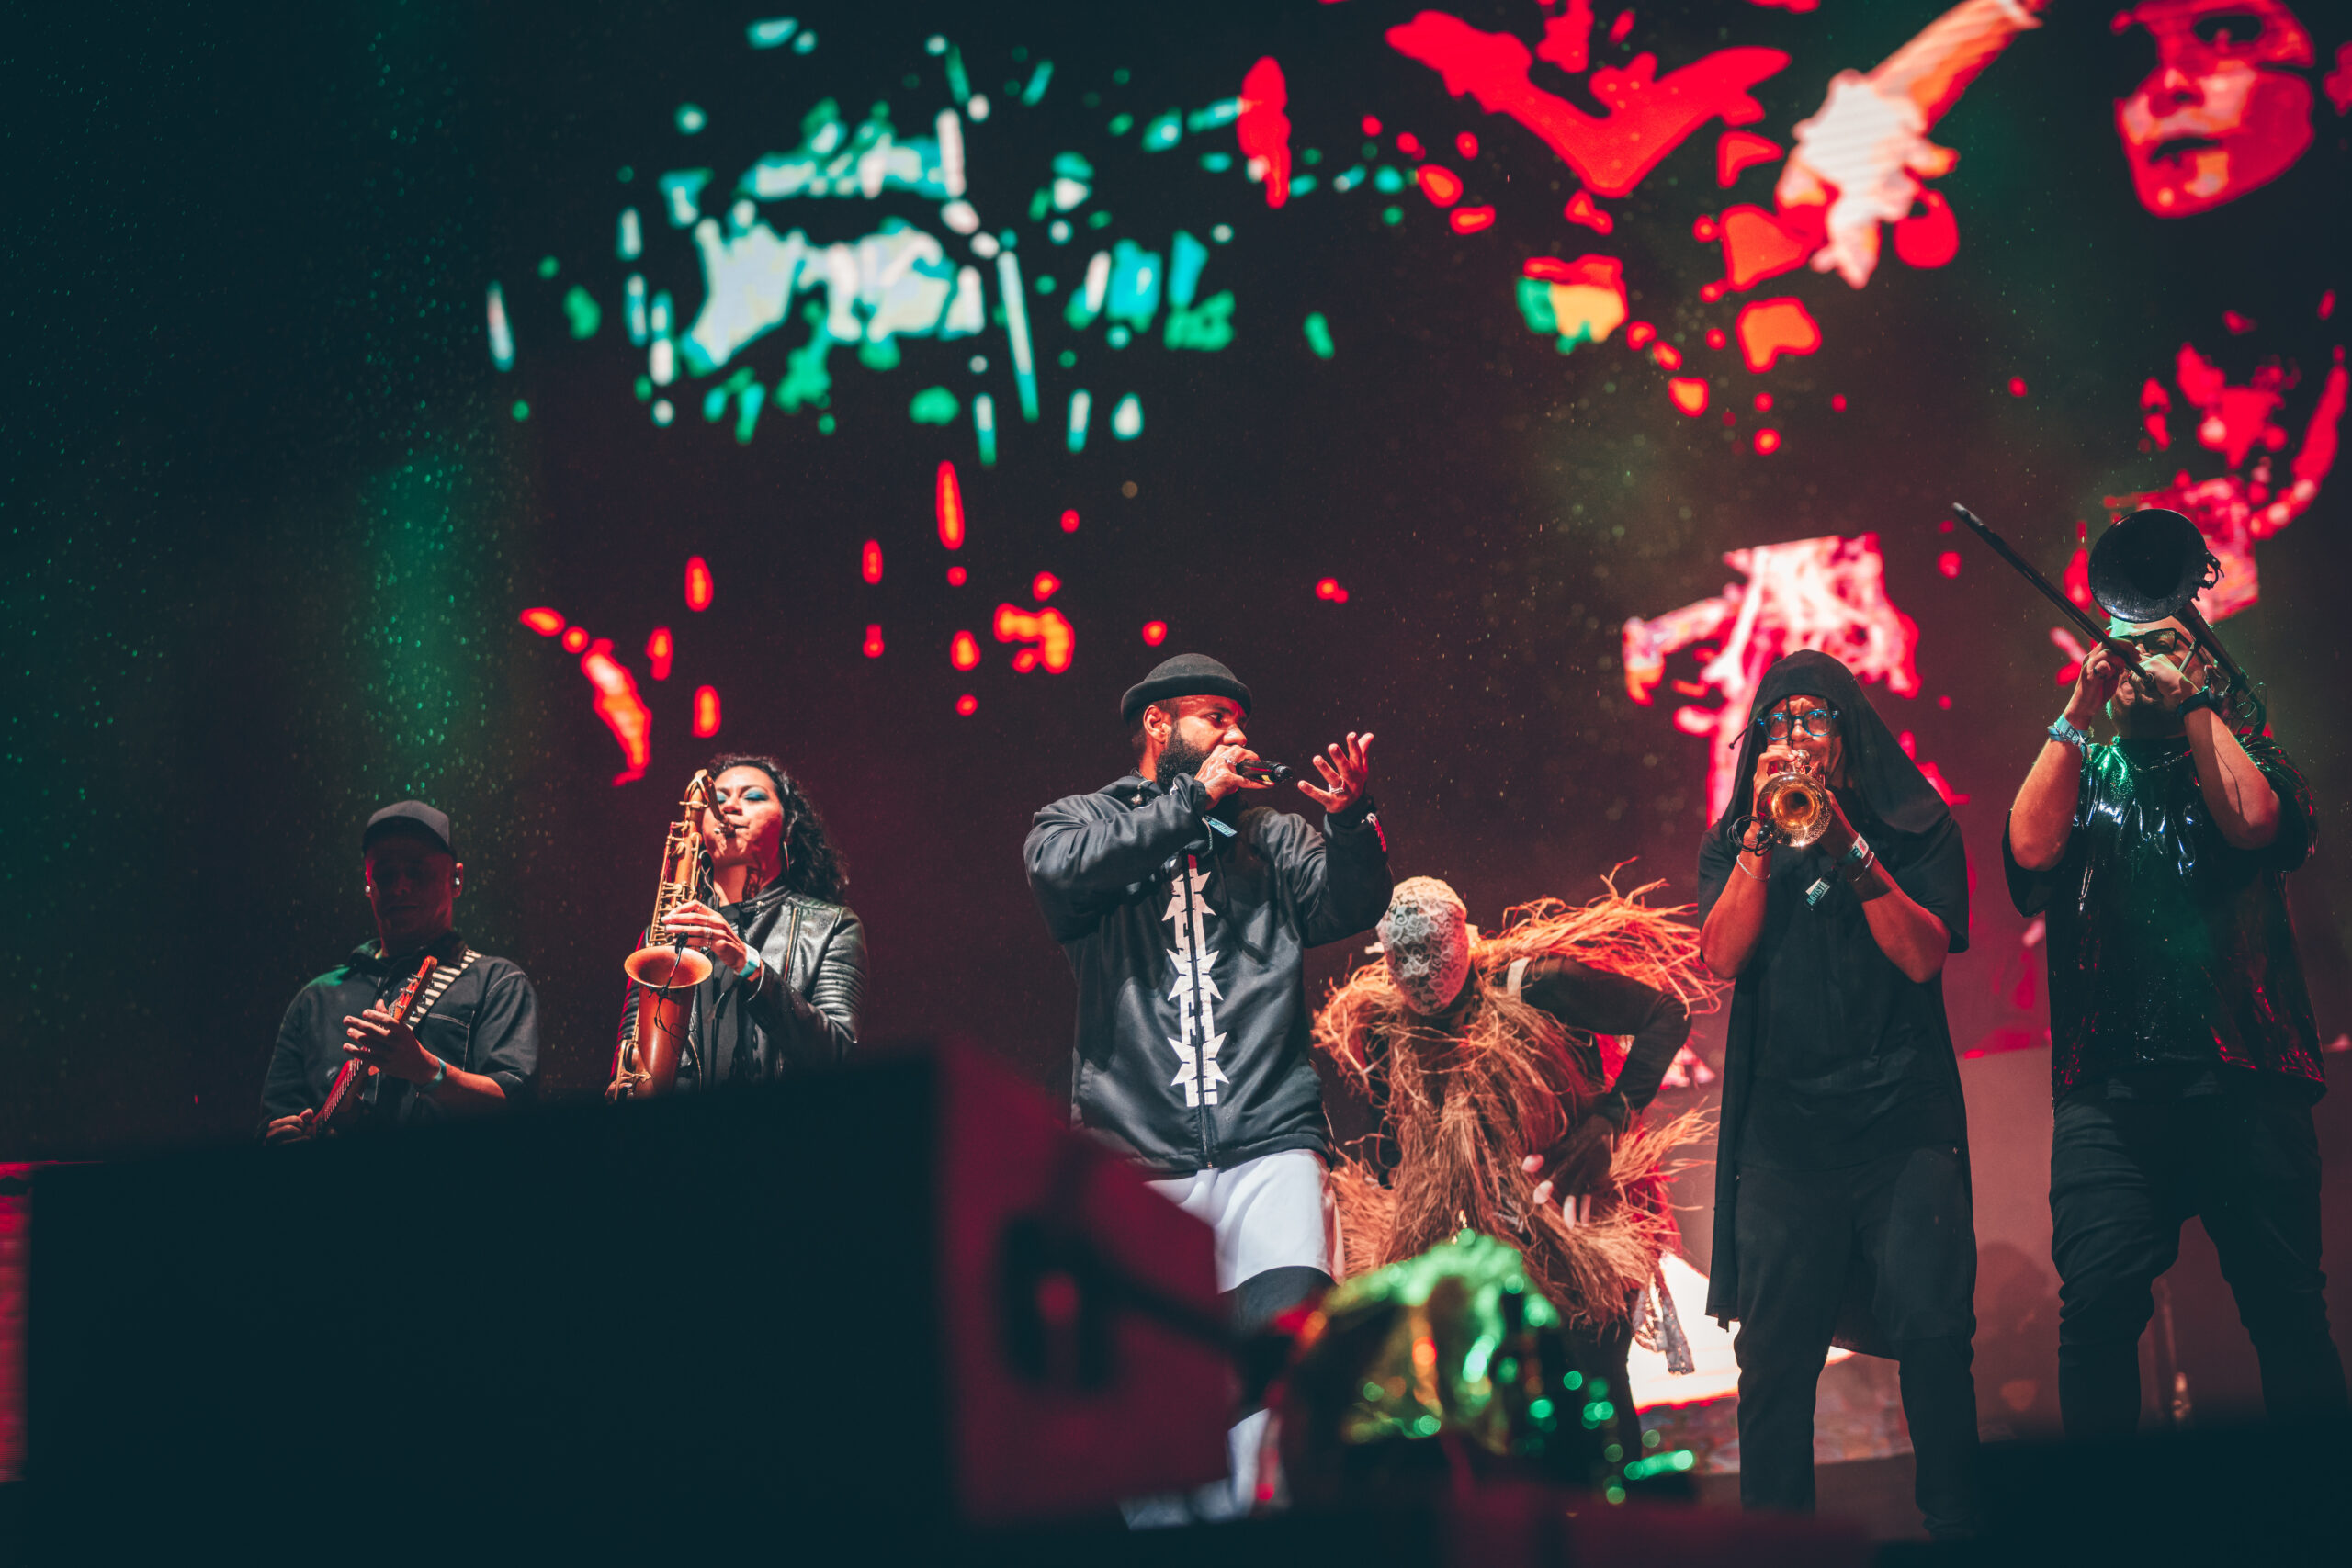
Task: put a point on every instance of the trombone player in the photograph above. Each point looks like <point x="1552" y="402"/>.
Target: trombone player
<point x="2184" y="1053"/>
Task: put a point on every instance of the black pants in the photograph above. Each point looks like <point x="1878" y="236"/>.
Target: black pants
<point x="1906" y="1223"/>
<point x="2124" y="1175"/>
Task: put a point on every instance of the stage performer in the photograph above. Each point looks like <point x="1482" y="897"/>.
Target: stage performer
<point x="2183" y="1055"/>
<point x="1842" y="1203"/>
<point x="788" y="976"/>
<point x="1478" y="1053"/>
<point x="1185" y="911"/>
<point x="471" y="1038"/>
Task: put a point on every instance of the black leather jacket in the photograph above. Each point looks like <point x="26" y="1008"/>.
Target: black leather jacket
<point x="798" y="1010"/>
<point x="1189" y="944"/>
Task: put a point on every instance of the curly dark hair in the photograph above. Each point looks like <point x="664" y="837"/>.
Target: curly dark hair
<point x="811" y="864"/>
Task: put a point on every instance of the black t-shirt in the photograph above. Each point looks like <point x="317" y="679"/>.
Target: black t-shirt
<point x="1852" y="1058"/>
<point x="2173" y="969"/>
<point x="486" y="1022"/>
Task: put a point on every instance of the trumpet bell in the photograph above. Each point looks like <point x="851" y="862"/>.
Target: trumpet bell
<point x="667" y="966"/>
<point x="1796" y="804"/>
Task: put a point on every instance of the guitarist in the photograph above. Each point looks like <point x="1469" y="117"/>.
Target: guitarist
<point x="472" y="1040"/>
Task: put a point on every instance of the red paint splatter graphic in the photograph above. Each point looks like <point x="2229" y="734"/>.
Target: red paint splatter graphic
<point x="1329" y="589"/>
<point x="964" y="650"/>
<point x="1668" y="356"/>
<point x="705" y="711"/>
<point x="1768" y="441"/>
<point x="2338" y="82"/>
<point x="1929" y="771"/>
<point x="947" y="501"/>
<point x="956" y="577"/>
<point x="1770" y="328"/>
<point x="1763" y="402"/>
<point x="1043" y="586"/>
<point x="1466" y="144"/>
<point x="1567" y="37"/>
<point x="545" y="621"/>
<point x="869" y="561"/>
<point x="1689" y="394"/>
<point x="1470" y="219"/>
<point x="1154" y="633"/>
<point x="2017" y="386"/>
<point x="967" y="705"/>
<point x="1409" y="144"/>
<point x="1827" y="593"/>
<point x="2235" y="509"/>
<point x="618" y="705"/>
<point x="1581" y="210"/>
<point x="1048" y="632"/>
<point x="698" y="584"/>
<point x="1440" y="183"/>
<point x="575" y="639"/>
<point x="1758" y="245"/>
<point x="1647" y="118"/>
<point x="1264" y="130"/>
<point x="1949" y="563"/>
<point x="873" y="645"/>
<point x="1930" y="237"/>
<point x="1640" y="336"/>
<point x="1739" y="150"/>
<point x="659" y="650"/>
<point x="1069" y="522"/>
<point x="1838" y="401"/>
<point x="2239" y="325"/>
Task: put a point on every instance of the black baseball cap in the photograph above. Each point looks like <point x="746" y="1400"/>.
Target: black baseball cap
<point x="412" y="818"/>
<point x="1186" y="675"/>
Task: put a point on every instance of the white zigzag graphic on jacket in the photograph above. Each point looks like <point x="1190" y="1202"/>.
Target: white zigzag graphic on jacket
<point x="1194" y="991"/>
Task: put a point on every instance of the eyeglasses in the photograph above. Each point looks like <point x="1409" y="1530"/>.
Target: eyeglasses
<point x="2164" y="643"/>
<point x="1819" y="723"/>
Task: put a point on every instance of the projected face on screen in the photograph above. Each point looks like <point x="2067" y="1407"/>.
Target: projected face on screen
<point x="2217" y="113"/>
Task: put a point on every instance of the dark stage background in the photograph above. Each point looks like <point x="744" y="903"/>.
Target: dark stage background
<point x="275" y="513"/>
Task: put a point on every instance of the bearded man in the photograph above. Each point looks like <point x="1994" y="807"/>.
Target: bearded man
<point x="1186" y="913"/>
<point x="2184" y="1055"/>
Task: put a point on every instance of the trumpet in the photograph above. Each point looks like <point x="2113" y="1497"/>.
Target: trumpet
<point x="647" y="1062"/>
<point x="1795" y="804"/>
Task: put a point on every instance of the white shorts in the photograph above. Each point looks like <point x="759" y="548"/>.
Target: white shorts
<point x="1268" y="1213"/>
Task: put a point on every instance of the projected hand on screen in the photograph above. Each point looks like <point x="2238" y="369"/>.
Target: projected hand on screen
<point x="1861" y="156"/>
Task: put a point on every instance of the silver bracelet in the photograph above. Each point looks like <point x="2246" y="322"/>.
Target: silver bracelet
<point x="1739" y="860"/>
<point x="2065" y="734"/>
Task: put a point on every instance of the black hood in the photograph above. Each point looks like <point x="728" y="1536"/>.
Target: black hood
<point x="1889" y="783"/>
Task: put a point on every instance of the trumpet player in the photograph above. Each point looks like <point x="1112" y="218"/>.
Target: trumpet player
<point x="1831" y="890"/>
<point x="786" y="978"/>
<point x="2184" y="1053"/>
<point x="470" y="1041"/>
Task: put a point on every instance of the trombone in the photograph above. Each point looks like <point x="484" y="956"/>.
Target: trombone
<point x="2149" y="567"/>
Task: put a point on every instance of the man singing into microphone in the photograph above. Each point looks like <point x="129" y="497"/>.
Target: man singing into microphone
<point x="1185" y="911"/>
<point x="2183" y="1051"/>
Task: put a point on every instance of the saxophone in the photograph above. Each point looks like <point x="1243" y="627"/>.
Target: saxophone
<point x="665" y="969"/>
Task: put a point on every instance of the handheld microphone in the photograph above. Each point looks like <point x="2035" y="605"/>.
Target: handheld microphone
<point x="1262" y="772"/>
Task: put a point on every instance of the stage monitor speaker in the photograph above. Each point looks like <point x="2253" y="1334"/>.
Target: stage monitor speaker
<point x="899" y="1298"/>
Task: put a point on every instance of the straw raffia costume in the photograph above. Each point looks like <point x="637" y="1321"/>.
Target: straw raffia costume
<point x="1511" y="1067"/>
